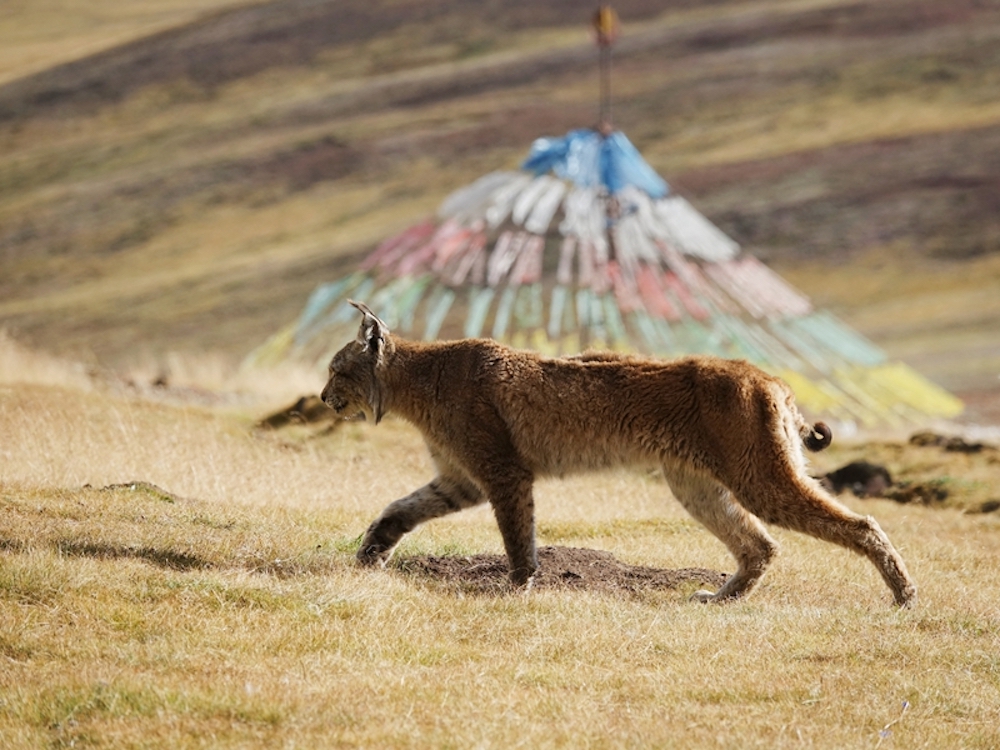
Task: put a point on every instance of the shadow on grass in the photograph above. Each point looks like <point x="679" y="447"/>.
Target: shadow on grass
<point x="560" y="568"/>
<point x="308" y="565"/>
<point x="100" y="551"/>
<point x="163" y="558"/>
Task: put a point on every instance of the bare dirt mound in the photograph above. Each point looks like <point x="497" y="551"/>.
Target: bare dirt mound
<point x="560" y="568"/>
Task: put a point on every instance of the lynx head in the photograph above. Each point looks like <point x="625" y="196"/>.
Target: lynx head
<point x="354" y="387"/>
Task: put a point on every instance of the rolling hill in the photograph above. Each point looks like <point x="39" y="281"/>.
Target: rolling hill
<point x="184" y="187"/>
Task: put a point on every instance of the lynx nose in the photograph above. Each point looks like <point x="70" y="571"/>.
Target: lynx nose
<point x="327" y="396"/>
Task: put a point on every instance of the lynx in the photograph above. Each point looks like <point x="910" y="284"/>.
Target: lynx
<point x="727" y="436"/>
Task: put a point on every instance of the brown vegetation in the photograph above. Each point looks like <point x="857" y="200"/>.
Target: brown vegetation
<point x="186" y="191"/>
<point x="202" y="589"/>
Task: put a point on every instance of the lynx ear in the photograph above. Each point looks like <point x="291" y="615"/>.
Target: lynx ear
<point x="373" y="333"/>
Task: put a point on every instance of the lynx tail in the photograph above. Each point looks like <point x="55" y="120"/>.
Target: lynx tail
<point x="817" y="437"/>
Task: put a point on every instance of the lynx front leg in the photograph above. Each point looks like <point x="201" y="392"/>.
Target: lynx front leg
<point x="441" y="496"/>
<point x="514" y="507"/>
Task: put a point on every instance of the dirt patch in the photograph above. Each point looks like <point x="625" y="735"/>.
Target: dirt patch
<point x="934" y="492"/>
<point x="560" y="568"/>
<point x="307" y="410"/>
<point x="949" y="443"/>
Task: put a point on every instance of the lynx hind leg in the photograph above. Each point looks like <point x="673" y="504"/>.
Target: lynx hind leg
<point x="799" y="503"/>
<point x="439" y="497"/>
<point x="742" y="533"/>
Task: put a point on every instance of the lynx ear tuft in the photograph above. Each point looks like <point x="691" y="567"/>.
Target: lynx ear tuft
<point x="363" y="309"/>
<point x="373" y="333"/>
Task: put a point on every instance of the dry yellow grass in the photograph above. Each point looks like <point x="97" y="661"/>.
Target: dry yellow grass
<point x="226" y="612"/>
<point x="37" y="34"/>
<point x="916" y="313"/>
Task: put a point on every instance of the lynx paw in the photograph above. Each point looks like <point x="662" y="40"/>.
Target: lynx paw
<point x="703" y="596"/>
<point x="522" y="577"/>
<point x="371" y="555"/>
<point x="907" y="598"/>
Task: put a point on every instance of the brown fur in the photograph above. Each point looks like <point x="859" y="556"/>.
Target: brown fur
<point x="727" y="436"/>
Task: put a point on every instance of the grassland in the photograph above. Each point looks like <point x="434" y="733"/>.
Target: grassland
<point x="173" y="182"/>
<point x="171" y="576"/>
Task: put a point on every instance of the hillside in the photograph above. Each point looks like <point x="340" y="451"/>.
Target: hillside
<point x="185" y="189"/>
<point x="44" y="33"/>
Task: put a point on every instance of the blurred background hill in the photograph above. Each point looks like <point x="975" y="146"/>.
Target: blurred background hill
<point x="177" y="175"/>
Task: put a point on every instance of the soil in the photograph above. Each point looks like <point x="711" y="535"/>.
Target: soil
<point x="560" y="568"/>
